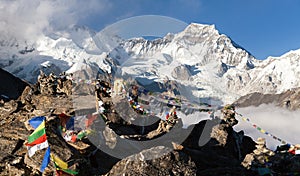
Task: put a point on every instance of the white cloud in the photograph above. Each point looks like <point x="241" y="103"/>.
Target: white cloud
<point x="28" y="19"/>
<point x="278" y="121"/>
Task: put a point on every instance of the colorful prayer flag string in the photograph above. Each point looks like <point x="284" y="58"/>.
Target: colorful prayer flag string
<point x="260" y="129"/>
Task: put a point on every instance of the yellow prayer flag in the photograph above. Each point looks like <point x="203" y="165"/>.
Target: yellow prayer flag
<point x="60" y="163"/>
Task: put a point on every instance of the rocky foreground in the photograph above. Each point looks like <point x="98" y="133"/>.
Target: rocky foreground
<point x="225" y="152"/>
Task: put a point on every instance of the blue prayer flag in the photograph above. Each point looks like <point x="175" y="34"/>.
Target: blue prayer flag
<point x="70" y="124"/>
<point x="46" y="160"/>
<point x="36" y="121"/>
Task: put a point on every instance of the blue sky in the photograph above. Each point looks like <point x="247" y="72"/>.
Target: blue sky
<point x="263" y="27"/>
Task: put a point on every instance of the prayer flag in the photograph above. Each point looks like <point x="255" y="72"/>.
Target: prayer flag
<point x="62" y="167"/>
<point x="36" y="121"/>
<point x="46" y="160"/>
<point x="38" y="136"/>
<point x="33" y="149"/>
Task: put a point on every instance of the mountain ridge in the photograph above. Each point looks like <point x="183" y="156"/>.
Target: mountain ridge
<point x="223" y="69"/>
<point x="11" y="87"/>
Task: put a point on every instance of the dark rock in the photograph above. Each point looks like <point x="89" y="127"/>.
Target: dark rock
<point x="11" y="86"/>
<point x="163" y="163"/>
<point x="215" y="147"/>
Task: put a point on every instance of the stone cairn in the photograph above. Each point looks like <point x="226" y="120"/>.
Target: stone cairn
<point x="52" y="84"/>
<point x="259" y="156"/>
<point x="220" y="131"/>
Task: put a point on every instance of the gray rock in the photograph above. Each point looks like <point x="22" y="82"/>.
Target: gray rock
<point x="181" y="73"/>
<point x="171" y="163"/>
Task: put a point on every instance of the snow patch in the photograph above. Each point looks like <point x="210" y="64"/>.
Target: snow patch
<point x="46" y="64"/>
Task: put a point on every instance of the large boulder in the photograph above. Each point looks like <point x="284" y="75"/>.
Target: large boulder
<point x="215" y="147"/>
<point x="163" y="162"/>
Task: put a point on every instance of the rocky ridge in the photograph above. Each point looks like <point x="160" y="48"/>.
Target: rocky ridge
<point x="288" y="99"/>
<point x="212" y="147"/>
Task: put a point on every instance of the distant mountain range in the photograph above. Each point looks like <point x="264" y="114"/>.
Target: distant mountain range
<point x="209" y="64"/>
<point x="289" y="99"/>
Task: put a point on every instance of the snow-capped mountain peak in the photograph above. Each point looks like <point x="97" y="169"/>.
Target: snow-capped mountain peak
<point x="209" y="63"/>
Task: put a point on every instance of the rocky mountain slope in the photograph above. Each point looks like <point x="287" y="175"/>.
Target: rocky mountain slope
<point x="288" y="99"/>
<point x="211" y="148"/>
<point x="15" y="130"/>
<point x="11" y="87"/>
<point x="210" y="64"/>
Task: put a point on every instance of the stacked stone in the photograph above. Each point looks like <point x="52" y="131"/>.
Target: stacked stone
<point x="259" y="156"/>
<point x="64" y="83"/>
<point x="172" y="116"/>
<point x="102" y="89"/>
<point x="220" y="131"/>
<point x="261" y="153"/>
<point x="50" y="85"/>
<point x="229" y="115"/>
